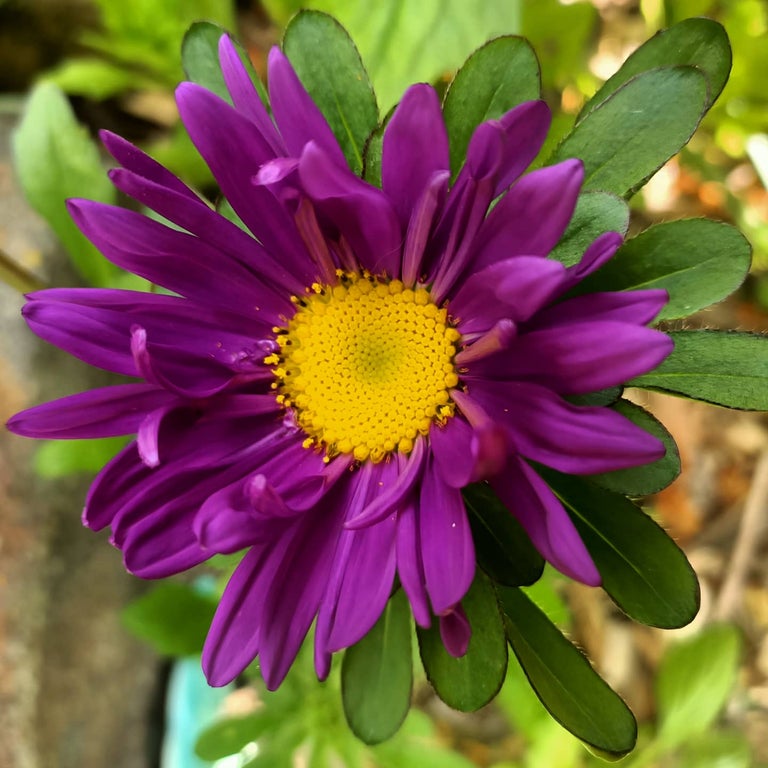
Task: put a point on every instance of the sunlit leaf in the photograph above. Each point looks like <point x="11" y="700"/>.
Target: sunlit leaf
<point x="55" y="159"/>
<point x="693" y="683"/>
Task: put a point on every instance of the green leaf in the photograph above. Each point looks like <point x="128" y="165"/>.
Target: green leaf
<point x="96" y="78"/>
<point x="718" y="749"/>
<point x="698" y="261"/>
<point x="329" y="66"/>
<point x="377" y="675"/>
<point x="628" y="137"/>
<point x="694" y="680"/>
<point x="595" y="213"/>
<point x="563" y="679"/>
<point x="648" y="478"/>
<point x="720" y="367"/>
<point x="504" y="550"/>
<point x="372" y="152"/>
<point x="227" y="737"/>
<point x="59" y="458"/>
<point x="200" y="59"/>
<point x="55" y="159"/>
<point x="702" y="43"/>
<point x="173" y="618"/>
<point x="645" y="573"/>
<point x="495" y="78"/>
<point x="471" y="681"/>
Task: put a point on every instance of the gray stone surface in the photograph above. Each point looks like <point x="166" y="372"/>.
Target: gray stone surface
<point x="75" y="690"/>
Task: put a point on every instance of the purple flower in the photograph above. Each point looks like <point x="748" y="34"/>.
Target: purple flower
<point x="318" y="390"/>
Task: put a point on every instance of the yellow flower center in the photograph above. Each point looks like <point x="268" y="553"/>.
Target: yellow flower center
<point x="366" y="366"/>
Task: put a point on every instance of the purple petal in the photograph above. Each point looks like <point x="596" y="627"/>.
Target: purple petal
<point x="451" y="446"/>
<point x="580" y="357"/>
<point x="244" y="95"/>
<point x="420" y="226"/>
<point x="532" y="216"/>
<point x="551" y="530"/>
<point x="393" y="490"/>
<point x="363" y="572"/>
<point x="636" y="307"/>
<point x="579" y="440"/>
<point x="297" y="116"/>
<point x="177" y="261"/>
<point x="105" y="412"/>
<point x="233" y="639"/>
<point x="415" y="147"/>
<point x="235" y="150"/>
<point x="502" y="149"/>
<point x="197" y="217"/>
<point x="447" y="551"/>
<point x="514" y="289"/>
<point x="455" y="631"/>
<point x="599" y="251"/>
<point x="360" y="212"/>
<point x="143" y="165"/>
<point x="148" y="435"/>
<point x="410" y="567"/>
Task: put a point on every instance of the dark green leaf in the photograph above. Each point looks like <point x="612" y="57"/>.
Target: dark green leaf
<point x="701" y="43"/>
<point x="200" y="59"/>
<point x="504" y="550"/>
<point x="643" y="570"/>
<point x="329" y="66"/>
<point x="229" y="736"/>
<point x="596" y="212"/>
<point x="377" y="675"/>
<point x="694" y="680"/>
<point x="628" y="137"/>
<point x="172" y="617"/>
<point x="602" y="397"/>
<point x="372" y="152"/>
<point x="55" y="159"/>
<point x="698" y="261"/>
<point x="648" y="478"/>
<point x="563" y="679"/>
<point x="721" y="367"/>
<point x="471" y="681"/>
<point x="495" y="78"/>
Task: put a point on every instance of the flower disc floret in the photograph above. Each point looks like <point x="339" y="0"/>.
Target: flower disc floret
<point x="366" y="365"/>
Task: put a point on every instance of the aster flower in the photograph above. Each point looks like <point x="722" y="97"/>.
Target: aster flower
<point x="319" y="386"/>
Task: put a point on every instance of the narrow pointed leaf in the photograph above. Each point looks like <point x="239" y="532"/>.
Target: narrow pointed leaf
<point x="498" y="76"/>
<point x="469" y="682"/>
<point x="200" y="59"/>
<point x="648" y="478"/>
<point x="563" y="679"/>
<point x="329" y="66"/>
<point x="698" y="261"/>
<point x="596" y="212"/>
<point x="645" y="573"/>
<point x="721" y="367"/>
<point x="628" y="137"/>
<point x="377" y="675"/>
<point x="702" y="43"/>
<point x="503" y="548"/>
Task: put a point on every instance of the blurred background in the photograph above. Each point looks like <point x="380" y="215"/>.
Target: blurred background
<point x="99" y="669"/>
